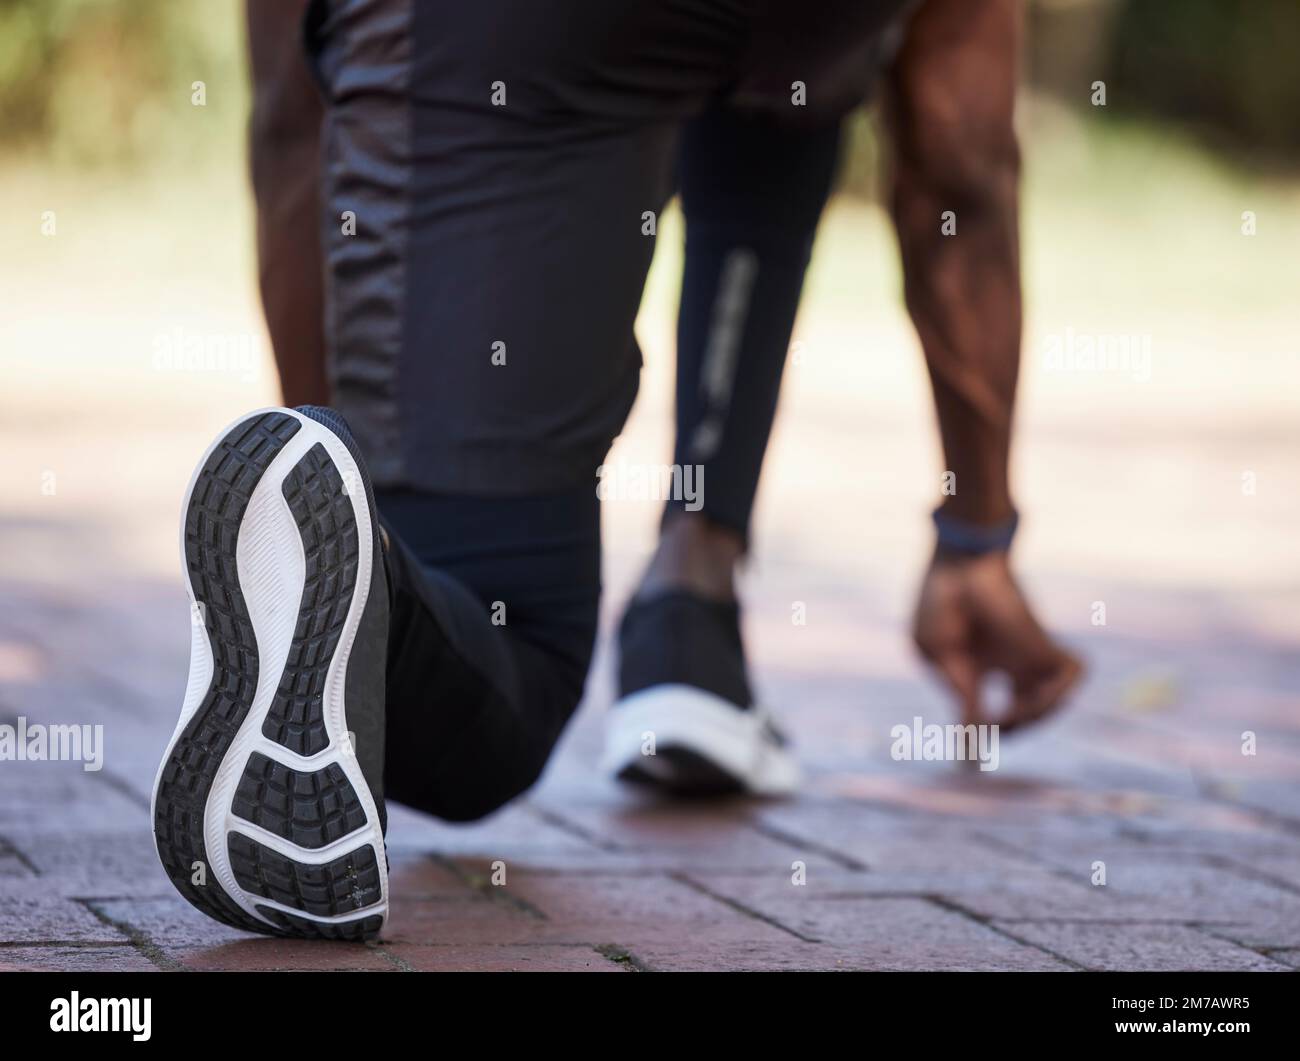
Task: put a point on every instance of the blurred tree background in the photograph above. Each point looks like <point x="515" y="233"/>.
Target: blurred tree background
<point x="108" y="82"/>
<point x="1222" y="70"/>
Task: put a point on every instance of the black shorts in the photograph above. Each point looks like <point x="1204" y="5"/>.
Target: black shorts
<point x="493" y="171"/>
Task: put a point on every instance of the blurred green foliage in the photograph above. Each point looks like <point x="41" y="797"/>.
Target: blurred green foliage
<point x="1228" y="68"/>
<point x="109" y="81"/>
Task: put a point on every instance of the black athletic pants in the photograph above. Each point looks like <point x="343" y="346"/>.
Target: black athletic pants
<point x="492" y="176"/>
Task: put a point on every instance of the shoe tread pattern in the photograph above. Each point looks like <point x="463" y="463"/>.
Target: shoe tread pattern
<point x="340" y="886"/>
<point x="323" y="511"/>
<point x="220" y="495"/>
<point x="310" y="808"/>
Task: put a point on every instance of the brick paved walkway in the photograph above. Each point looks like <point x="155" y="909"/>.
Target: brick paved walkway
<point x="907" y="865"/>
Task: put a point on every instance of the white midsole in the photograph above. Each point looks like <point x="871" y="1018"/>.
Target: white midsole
<point x="683" y="716"/>
<point x="271" y="568"/>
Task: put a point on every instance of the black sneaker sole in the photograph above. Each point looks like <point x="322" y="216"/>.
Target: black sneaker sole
<point x="262" y="815"/>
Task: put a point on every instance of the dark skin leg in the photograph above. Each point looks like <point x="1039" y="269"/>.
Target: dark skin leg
<point x="949" y="101"/>
<point x="949" y="106"/>
<point x="951" y="298"/>
<point x="284" y="140"/>
<point x="696" y="554"/>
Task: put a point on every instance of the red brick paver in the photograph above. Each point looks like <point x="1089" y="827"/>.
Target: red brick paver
<point x="877" y="865"/>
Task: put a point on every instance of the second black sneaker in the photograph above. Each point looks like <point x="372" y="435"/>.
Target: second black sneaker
<point x="686" y="720"/>
<point x="268" y="807"/>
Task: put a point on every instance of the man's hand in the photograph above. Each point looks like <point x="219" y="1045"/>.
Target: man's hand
<point x="972" y="620"/>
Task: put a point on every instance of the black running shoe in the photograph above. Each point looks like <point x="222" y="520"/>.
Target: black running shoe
<point x="268" y="808"/>
<point x="685" y="719"/>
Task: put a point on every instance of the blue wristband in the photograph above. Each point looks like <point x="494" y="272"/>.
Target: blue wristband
<point x="960" y="537"/>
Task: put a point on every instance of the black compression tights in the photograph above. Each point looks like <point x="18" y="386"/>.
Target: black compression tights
<point x="752" y="192"/>
<point x="492" y="627"/>
<point x="495" y="599"/>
